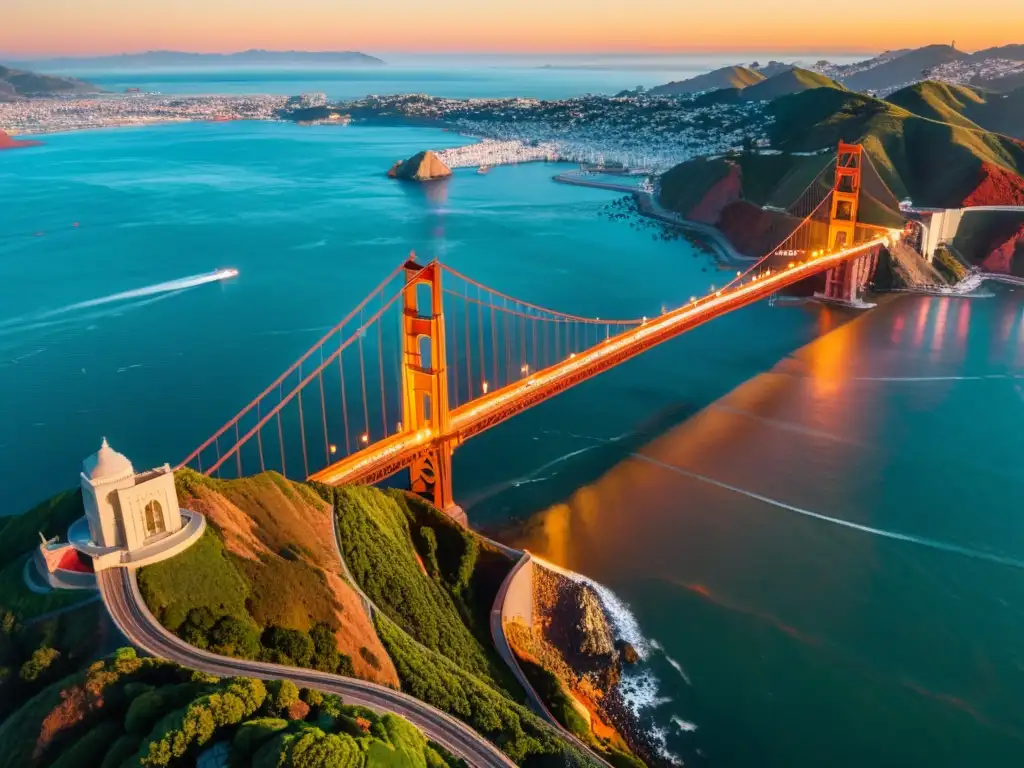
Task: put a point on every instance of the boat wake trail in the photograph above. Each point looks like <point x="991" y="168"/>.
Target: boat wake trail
<point x="169" y="286"/>
<point x="941" y="546"/>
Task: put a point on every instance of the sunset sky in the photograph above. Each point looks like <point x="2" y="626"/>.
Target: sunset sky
<point x="49" y="27"/>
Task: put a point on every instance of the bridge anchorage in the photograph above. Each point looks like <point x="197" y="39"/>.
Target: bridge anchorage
<point x="431" y="358"/>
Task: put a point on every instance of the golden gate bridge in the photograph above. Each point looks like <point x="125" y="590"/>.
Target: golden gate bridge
<point x="431" y="357"/>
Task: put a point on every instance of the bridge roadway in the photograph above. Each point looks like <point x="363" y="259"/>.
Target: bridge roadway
<point x="120" y="592"/>
<point x="391" y="455"/>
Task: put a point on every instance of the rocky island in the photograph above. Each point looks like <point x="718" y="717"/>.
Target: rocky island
<point x="423" y="166"/>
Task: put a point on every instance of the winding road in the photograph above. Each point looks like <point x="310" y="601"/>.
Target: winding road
<point x="124" y="602"/>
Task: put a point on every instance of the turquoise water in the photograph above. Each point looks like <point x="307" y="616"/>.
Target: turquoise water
<point x="811" y="518"/>
<point x="547" y="77"/>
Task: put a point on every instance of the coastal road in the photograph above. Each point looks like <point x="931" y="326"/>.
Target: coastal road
<point x="120" y="592"/>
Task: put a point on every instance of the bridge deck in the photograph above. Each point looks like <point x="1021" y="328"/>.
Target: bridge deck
<point x="389" y="456"/>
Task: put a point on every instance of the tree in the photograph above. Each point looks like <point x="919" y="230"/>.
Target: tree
<point x="232" y="636"/>
<point x="325" y="648"/>
<point x="293" y="644"/>
<point x="42" y="659"/>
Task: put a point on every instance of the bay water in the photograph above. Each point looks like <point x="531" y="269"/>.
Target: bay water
<point x="808" y="518"/>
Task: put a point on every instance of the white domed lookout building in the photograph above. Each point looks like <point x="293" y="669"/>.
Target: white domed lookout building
<point x="131" y="519"/>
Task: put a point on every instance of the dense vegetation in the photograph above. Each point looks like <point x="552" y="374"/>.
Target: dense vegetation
<point x="560" y="705"/>
<point x="434" y="583"/>
<point x="443" y="683"/>
<point x="429" y="575"/>
<point x="43" y="637"/>
<point x="129" y="712"/>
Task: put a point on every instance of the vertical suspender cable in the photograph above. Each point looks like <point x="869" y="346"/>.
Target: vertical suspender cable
<point x="323" y="411"/>
<point x="280" y="432"/>
<point x="259" y="436"/>
<point x="480" y="336"/>
<point x="494" y="344"/>
<point x="380" y="354"/>
<point x="238" y="450"/>
<point x="469" y="347"/>
<point x="344" y="405"/>
<point x="362" y="375"/>
<point x="302" y="429"/>
<point x="454" y="363"/>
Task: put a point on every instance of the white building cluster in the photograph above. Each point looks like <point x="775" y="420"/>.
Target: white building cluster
<point x="636" y="130"/>
<point x="69" y="114"/>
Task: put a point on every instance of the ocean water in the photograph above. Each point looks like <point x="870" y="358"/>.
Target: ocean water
<point x="494" y="76"/>
<point x="805" y="519"/>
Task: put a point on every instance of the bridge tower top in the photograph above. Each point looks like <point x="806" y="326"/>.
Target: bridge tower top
<point x="845" y="196"/>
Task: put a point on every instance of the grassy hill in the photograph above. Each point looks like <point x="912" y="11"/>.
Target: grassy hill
<point x="22" y="83"/>
<point x="265" y="581"/>
<point x="130" y="712"/>
<point x="793" y="80"/>
<point x="934" y="163"/>
<point x="964" y="106"/>
<point x="726" y="77"/>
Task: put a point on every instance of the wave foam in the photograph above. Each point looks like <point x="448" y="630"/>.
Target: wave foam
<point x="684" y="725"/>
<point x="660" y="739"/>
<point x="639" y="691"/>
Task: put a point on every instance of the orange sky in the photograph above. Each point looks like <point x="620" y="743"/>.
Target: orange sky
<point x="48" y="27"/>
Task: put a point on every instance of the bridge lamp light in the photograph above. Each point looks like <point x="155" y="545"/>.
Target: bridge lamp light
<point x="643" y="320"/>
<point x="364" y="439"/>
<point x="791" y="265"/>
<point x="693" y="299"/>
<point x="485" y="386"/>
<point x="398" y="427"/>
<point x="334" y="448"/>
<point x="718" y="293"/>
<point x="572" y="355"/>
<point x="524" y="369"/>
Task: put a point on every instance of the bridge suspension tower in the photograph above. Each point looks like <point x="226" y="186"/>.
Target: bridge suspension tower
<point x="425" y="405"/>
<point x="844" y="281"/>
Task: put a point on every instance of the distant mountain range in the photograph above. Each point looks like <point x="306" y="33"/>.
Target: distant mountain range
<point x="998" y="69"/>
<point x="16" y="84"/>
<point x="252" y="58"/>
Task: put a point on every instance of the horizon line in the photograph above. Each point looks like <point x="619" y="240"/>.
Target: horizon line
<point x="698" y="50"/>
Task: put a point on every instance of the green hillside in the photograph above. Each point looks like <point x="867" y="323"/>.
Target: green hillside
<point x="128" y="712"/>
<point x="726" y="77"/>
<point x="945" y="102"/>
<point x="795" y="80"/>
<point x="933" y="163"/>
<point x="964" y="106"/>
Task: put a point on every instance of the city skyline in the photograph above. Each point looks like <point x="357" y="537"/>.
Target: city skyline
<point x="68" y="28"/>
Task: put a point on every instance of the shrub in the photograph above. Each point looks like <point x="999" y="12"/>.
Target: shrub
<point x="292" y="644"/>
<point x="42" y="660"/>
<point x="123" y="748"/>
<point x="195" y="724"/>
<point x="91" y="748"/>
<point x="326" y="656"/>
<point x="254" y="733"/>
<point x="280" y="695"/>
<point x="232" y="636"/>
<point x="369" y="657"/>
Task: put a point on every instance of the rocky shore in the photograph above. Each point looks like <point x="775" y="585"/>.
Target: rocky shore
<point x="572" y="638"/>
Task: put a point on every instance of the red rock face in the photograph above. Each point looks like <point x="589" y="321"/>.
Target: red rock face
<point x="6" y="142"/>
<point x="722" y="194"/>
<point x="996" y="186"/>
<point x="1001" y="259"/>
<point x="751" y="229"/>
